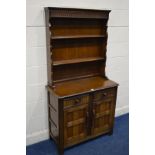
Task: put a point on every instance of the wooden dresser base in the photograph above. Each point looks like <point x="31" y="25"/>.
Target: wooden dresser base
<point x="77" y="118"/>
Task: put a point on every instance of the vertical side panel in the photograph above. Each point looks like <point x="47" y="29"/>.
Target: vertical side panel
<point x="49" y="60"/>
<point x="53" y="115"/>
<point x="113" y="110"/>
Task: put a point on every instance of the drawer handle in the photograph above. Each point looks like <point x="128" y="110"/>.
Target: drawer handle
<point x="104" y="94"/>
<point x="77" y="101"/>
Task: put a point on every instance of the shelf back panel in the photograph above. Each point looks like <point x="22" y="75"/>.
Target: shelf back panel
<point x="72" y="27"/>
<point x="78" y="48"/>
<point x="75" y="71"/>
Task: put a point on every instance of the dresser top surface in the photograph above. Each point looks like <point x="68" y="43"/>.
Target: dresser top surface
<point x="75" y="87"/>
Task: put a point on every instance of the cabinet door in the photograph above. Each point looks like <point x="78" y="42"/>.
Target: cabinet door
<point x="75" y="124"/>
<point x="103" y="115"/>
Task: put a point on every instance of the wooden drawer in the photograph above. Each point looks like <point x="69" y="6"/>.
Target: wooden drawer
<point x="107" y="93"/>
<point x="80" y="100"/>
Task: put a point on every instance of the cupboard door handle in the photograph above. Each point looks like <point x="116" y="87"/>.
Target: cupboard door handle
<point x="87" y="125"/>
<point x="87" y="116"/>
<point x="93" y="112"/>
<point x="93" y="122"/>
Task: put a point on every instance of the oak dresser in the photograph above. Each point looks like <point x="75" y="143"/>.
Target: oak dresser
<point x="81" y="98"/>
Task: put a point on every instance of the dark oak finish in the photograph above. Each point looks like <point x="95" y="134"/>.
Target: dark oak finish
<point x="81" y="99"/>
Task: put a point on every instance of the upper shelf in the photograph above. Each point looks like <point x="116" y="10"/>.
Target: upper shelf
<point x="78" y="60"/>
<point x="78" y="36"/>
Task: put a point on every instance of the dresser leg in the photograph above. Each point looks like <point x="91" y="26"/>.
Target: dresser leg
<point x="61" y="151"/>
<point x="110" y="133"/>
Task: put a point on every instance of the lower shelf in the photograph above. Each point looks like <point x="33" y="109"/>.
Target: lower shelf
<point x="78" y="36"/>
<point x="78" y="60"/>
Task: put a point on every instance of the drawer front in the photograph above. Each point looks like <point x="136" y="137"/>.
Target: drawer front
<point x="76" y="101"/>
<point x="103" y="94"/>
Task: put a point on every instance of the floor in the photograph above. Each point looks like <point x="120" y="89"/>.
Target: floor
<point x="117" y="144"/>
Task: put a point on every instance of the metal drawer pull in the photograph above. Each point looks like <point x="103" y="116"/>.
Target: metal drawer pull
<point x="77" y="101"/>
<point x="104" y="94"/>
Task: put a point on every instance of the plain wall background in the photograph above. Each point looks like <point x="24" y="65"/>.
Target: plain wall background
<point x="36" y="69"/>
